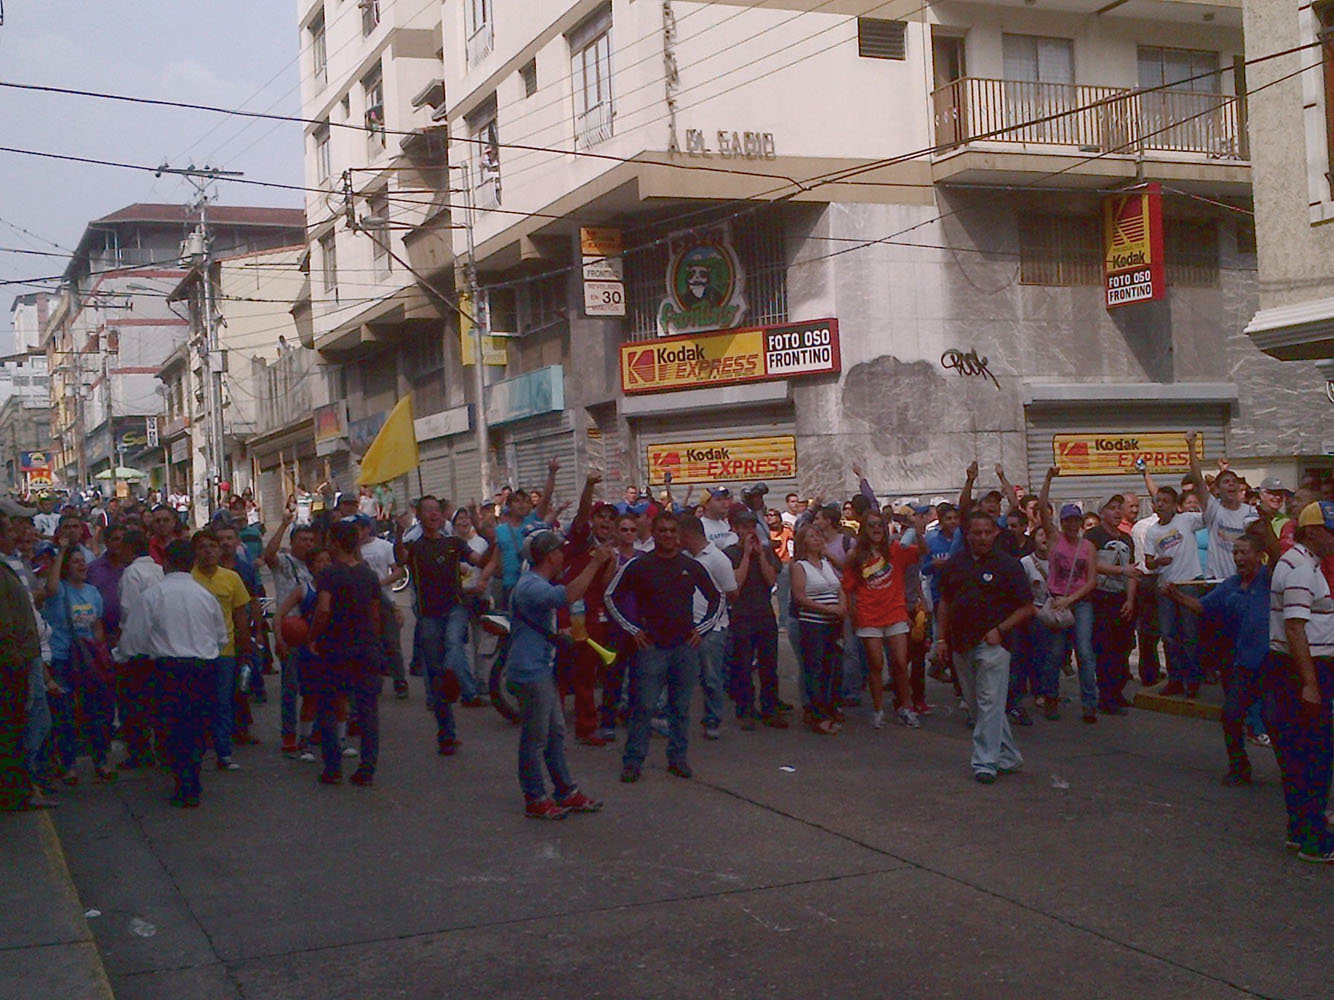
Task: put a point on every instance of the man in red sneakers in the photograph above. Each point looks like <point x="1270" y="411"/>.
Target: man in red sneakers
<point x="532" y="657"/>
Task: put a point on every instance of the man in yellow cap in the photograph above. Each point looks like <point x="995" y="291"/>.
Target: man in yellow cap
<point x="1301" y="674"/>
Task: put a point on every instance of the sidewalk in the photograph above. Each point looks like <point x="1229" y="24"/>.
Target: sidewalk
<point x="46" y="946"/>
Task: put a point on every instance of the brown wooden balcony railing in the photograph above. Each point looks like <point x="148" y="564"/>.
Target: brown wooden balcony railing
<point x="1088" y="117"/>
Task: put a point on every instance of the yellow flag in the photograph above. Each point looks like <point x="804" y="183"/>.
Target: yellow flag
<point x="394" y="450"/>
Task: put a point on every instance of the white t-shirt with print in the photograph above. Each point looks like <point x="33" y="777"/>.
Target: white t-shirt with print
<point x="1176" y="540"/>
<point x="1225" y="527"/>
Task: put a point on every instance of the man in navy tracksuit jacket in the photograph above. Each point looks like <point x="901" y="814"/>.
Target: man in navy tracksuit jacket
<point x="660" y="586"/>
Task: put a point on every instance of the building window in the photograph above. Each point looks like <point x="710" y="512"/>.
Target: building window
<point x="485" y="154"/>
<point x="1324" y="16"/>
<point x="1037" y="59"/>
<point x="329" y="262"/>
<point x="377" y="210"/>
<point x="323" y="158"/>
<point x="373" y="87"/>
<point x="370" y="15"/>
<point x="480" y="31"/>
<point x="528" y="75"/>
<point x="1060" y="250"/>
<point x="1190" y="249"/>
<point x="1246" y="236"/>
<point x="881" y="39"/>
<point x="319" y="51"/>
<point x="760" y="245"/>
<point x="1184" y="109"/>
<point x="543" y="301"/>
<point x="590" y="75"/>
<point x="335" y="382"/>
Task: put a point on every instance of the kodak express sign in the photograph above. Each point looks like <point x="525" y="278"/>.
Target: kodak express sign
<point x="1116" y="454"/>
<point x="1133" y="268"/>
<point x="728" y="357"/>
<point x="719" y="461"/>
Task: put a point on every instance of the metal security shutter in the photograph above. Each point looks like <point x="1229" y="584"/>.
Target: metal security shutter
<point x="1129" y="418"/>
<point x="434" y="468"/>
<point x="467" y="477"/>
<point x="710" y="426"/>
<point x="534" y="443"/>
<point x="271" y="499"/>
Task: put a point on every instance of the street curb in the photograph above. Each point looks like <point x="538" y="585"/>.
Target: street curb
<point x="1191" y="708"/>
<point x="85" y="956"/>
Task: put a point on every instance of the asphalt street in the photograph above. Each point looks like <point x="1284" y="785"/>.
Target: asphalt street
<point x="792" y="865"/>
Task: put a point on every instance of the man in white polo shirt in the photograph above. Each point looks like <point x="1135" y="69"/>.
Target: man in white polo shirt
<point x="1301" y="676"/>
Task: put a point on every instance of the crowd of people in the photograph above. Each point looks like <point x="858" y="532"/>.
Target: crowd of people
<point x="128" y="624"/>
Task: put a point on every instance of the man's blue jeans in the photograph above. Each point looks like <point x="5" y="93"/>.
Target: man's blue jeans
<point x="1028" y="661"/>
<point x="224" y="706"/>
<point x="456" y="650"/>
<point x="1080" y="635"/>
<point x="185" y="687"/>
<point x="38" y="725"/>
<point x="291" y="687"/>
<point x="984" y="676"/>
<point x="674" y="668"/>
<point x="542" y="738"/>
<point x="712" y="654"/>
<point x="1180" y="628"/>
<point x="435" y="657"/>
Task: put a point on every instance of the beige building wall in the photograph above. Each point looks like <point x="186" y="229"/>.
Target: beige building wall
<point x="1294" y="196"/>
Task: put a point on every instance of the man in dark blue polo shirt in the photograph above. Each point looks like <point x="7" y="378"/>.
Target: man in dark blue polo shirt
<point x="984" y="595"/>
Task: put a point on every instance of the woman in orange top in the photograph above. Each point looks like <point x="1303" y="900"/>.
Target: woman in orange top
<point x="874" y="581"/>
<point x="780" y="535"/>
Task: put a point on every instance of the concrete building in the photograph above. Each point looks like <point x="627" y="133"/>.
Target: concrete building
<point x="252" y="295"/>
<point x="25" y="414"/>
<point x="111" y="327"/>
<point x="376" y="161"/>
<point x="27" y="315"/>
<point x="1292" y="135"/>
<point x="894" y="197"/>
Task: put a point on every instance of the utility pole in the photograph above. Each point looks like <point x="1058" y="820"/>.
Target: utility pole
<point x="200" y="250"/>
<point x="481" y="326"/>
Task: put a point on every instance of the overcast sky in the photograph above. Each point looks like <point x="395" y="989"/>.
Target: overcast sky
<point x="229" y="53"/>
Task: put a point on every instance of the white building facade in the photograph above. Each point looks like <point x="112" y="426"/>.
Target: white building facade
<point x="934" y="179"/>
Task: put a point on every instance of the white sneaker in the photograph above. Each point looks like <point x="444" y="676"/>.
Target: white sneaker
<point x="909" y="718"/>
<point x="878" y="719"/>
<point x="712" y="733"/>
<point x="307" y="756"/>
<point x="349" y="751"/>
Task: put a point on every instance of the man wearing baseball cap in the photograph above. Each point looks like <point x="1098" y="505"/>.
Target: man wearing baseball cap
<point x="1301" y="676"/>
<point x="1273" y="511"/>
<point x="717" y="507"/>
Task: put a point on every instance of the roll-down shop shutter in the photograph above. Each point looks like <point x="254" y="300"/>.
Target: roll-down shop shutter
<point x="534" y="443"/>
<point x="1117" y="420"/>
<point x="716" y="425"/>
<point x="436" y="476"/>
<point x="467" y="477"/>
<point x="271" y="499"/>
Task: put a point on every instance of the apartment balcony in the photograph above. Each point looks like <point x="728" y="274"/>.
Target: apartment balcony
<point x="1079" y="135"/>
<point x="480" y="43"/>
<point x="593" y="126"/>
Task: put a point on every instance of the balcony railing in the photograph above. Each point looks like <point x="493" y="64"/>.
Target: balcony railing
<point x="593" y="126"/>
<point x="283" y="389"/>
<point x="1090" y="118"/>
<point x="480" y="43"/>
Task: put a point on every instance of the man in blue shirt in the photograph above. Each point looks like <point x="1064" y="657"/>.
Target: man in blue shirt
<point x="531" y="668"/>
<point x="521" y="520"/>
<point x="1241" y="604"/>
